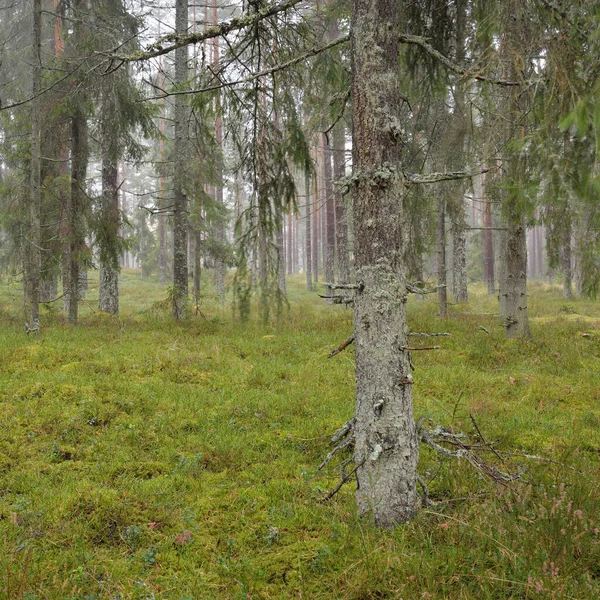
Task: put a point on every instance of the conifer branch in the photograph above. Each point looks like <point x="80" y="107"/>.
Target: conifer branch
<point x="279" y="67"/>
<point x="417" y="40"/>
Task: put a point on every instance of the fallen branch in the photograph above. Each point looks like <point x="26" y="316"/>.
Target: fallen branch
<point x="415" y="334"/>
<point x="341" y="347"/>
<point x="411" y="349"/>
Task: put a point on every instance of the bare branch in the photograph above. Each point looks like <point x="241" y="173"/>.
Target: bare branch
<point x="250" y="78"/>
<point x="341" y="347"/>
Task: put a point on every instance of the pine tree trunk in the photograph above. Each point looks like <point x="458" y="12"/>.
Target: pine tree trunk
<point x="386" y="450"/>
<point x="180" y="202"/>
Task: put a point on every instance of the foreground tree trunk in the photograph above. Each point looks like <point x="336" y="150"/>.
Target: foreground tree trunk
<point x="180" y="221"/>
<point x="35" y="258"/>
<point x="386" y="450"/>
<point x="514" y="291"/>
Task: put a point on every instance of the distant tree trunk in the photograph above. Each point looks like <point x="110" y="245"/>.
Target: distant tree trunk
<point x="315" y="215"/>
<point x="35" y="254"/>
<point x="441" y="256"/>
<point x="489" y="248"/>
<point x="76" y="238"/>
<point x="566" y="260"/>
<point x="108" y="299"/>
<point x="220" y="232"/>
<point x="386" y="449"/>
<point x="279" y="242"/>
<point x="197" y="267"/>
<point x="459" y="225"/>
<point x="329" y="212"/>
<point x="180" y="202"/>
<point x="308" y="233"/>
<point x="341" y="226"/>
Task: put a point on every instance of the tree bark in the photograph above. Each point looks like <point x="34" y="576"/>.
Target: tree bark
<point x="386" y="450"/>
<point x="35" y="253"/>
<point x="341" y="225"/>
<point x="308" y="233"/>
<point x="515" y="317"/>
<point x="441" y="257"/>
<point x="329" y="211"/>
<point x="108" y="299"/>
<point x="567" y="265"/>
<point x="457" y="161"/>
<point x="180" y="202"/>
<point x="220" y="230"/>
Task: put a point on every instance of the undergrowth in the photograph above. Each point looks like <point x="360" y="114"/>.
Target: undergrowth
<point x="140" y="458"/>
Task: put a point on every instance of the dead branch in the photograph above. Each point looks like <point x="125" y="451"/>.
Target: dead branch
<point x="344" y="479"/>
<point x="415" y="334"/>
<point x="341" y="347"/>
<point x="344" y="430"/>
<point x="344" y="286"/>
<point x="411" y="349"/>
<point x="413" y="289"/>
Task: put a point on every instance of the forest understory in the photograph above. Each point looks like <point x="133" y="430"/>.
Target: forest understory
<point x="146" y="458"/>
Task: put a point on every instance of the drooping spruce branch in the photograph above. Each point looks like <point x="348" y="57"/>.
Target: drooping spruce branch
<point x="279" y="67"/>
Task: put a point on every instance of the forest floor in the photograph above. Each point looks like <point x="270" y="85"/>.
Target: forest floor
<point x="140" y="458"/>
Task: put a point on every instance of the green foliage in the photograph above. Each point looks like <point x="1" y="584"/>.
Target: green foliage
<point x="141" y="456"/>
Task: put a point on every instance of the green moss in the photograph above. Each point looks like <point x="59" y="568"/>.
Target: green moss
<point x="143" y="459"/>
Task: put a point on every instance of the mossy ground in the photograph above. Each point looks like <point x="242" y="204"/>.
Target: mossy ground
<point x="140" y="458"/>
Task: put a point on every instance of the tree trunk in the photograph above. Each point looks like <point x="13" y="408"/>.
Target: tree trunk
<point x="35" y="254"/>
<point x="197" y="267"/>
<point x="489" y="248"/>
<point x="386" y="450"/>
<point x="315" y="215"/>
<point x="108" y="299"/>
<point x="329" y="211"/>
<point x="220" y="232"/>
<point x="441" y="257"/>
<point x="180" y="202"/>
<point x="516" y="321"/>
<point x="341" y="226"/>
<point x="76" y="238"/>
<point x="567" y="265"/>
<point x="307" y="222"/>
